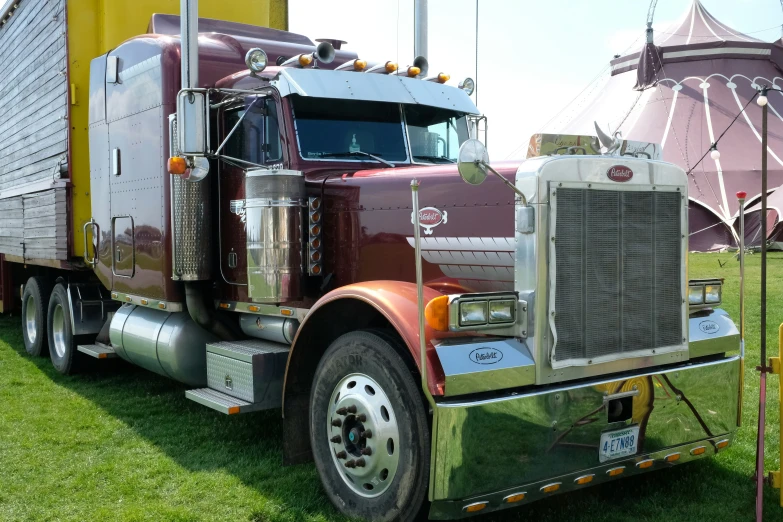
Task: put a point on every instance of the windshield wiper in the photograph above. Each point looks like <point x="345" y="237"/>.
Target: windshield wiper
<point x="356" y="153"/>
<point x="433" y="158"/>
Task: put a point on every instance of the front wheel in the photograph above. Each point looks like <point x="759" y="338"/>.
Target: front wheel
<point x="368" y="429"/>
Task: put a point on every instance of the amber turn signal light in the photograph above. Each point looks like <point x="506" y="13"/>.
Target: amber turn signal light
<point x="359" y="65"/>
<point x="413" y="72"/>
<point x="390" y="67"/>
<point x="305" y="60"/>
<point x="443" y="78"/>
<point x="177" y="165"/>
<point x="437" y="313"/>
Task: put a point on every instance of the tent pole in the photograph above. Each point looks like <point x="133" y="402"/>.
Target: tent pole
<point x="763" y="367"/>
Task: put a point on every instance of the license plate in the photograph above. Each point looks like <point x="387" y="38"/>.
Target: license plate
<point x="618" y="443"/>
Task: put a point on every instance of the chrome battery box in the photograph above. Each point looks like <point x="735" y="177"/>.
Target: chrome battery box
<point x="251" y="370"/>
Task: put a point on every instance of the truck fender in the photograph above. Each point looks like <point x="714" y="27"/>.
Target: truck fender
<point x="371" y="304"/>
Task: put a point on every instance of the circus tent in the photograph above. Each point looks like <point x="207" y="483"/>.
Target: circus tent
<point x="683" y="90"/>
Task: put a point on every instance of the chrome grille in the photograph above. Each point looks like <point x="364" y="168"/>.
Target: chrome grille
<point x="618" y="261"/>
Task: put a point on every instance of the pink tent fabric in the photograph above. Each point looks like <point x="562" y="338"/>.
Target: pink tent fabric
<point x="683" y="92"/>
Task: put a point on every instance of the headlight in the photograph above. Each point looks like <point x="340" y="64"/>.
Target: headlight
<point x="712" y="294"/>
<point x="704" y="293"/>
<point x="473" y="313"/>
<point x="501" y="311"/>
<point x="696" y="295"/>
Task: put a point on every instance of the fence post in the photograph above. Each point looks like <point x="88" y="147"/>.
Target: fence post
<point x="776" y="477"/>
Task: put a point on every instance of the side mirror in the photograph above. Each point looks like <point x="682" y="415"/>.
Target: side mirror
<point x="472" y="162"/>
<point x="192" y="123"/>
<point x="473" y="166"/>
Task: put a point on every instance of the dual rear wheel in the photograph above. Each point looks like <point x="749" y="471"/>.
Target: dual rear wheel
<point x="46" y="324"/>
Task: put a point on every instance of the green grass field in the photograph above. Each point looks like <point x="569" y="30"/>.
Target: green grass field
<point x="119" y="443"/>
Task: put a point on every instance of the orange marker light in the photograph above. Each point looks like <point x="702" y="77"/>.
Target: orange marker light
<point x="443" y="78"/>
<point x="287" y="312"/>
<point x="413" y="72"/>
<point x="144" y="302"/>
<point x="550" y="488"/>
<point x="391" y="67"/>
<point x="359" y="65"/>
<point x="437" y="313"/>
<point x="315" y="203"/>
<point x="584" y="479"/>
<point x="253" y="308"/>
<point x="644" y="464"/>
<point x="673" y="457"/>
<point x="233" y="409"/>
<point x="224" y="306"/>
<point x="516" y="497"/>
<point x="616" y="471"/>
<point x="162" y="306"/>
<point x="698" y="450"/>
<point x="177" y="166"/>
<point x="477" y="506"/>
<point x="722" y="444"/>
<point x="305" y="60"/>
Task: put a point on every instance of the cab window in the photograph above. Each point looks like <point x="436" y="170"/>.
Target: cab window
<point x="257" y="139"/>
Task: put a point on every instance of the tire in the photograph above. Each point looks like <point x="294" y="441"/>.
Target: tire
<point x="390" y="485"/>
<point x="35" y="302"/>
<point x="62" y="345"/>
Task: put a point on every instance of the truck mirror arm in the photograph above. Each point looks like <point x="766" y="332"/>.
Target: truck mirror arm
<point x="504" y="180"/>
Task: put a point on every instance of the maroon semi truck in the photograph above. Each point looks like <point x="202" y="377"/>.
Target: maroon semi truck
<point x="253" y="235"/>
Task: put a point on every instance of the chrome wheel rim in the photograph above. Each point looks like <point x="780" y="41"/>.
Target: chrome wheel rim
<point x="363" y="435"/>
<point x="29" y="320"/>
<point x="58" y="330"/>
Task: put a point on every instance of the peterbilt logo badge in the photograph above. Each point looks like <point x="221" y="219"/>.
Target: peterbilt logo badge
<point x="486" y="355"/>
<point x="619" y="173"/>
<point x="237" y="206"/>
<point x="709" y="327"/>
<point x="430" y="217"/>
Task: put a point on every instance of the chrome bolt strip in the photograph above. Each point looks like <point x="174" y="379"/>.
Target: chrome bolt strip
<point x="363" y="434"/>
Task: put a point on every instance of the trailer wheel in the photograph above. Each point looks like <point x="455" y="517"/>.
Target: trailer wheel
<point x="62" y="347"/>
<point x="35" y="299"/>
<point x="368" y="429"/>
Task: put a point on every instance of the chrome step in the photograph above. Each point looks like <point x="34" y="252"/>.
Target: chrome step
<point x="99" y="351"/>
<point x="221" y="402"/>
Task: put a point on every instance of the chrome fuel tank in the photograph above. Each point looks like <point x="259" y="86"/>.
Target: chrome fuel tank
<point x="169" y="344"/>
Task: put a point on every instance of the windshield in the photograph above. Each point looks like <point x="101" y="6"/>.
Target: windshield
<point x="435" y="134"/>
<point x="349" y="130"/>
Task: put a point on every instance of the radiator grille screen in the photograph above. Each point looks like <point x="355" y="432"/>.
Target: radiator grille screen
<point x="618" y="281"/>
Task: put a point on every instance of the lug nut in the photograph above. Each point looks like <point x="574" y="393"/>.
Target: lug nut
<point x="367" y="451"/>
<point x="337" y="423"/>
<point x="342" y="411"/>
<point x="342" y="455"/>
<point x="350" y="464"/>
<point x="362" y="417"/>
<point x="366" y="434"/>
<point x="351" y="409"/>
<point x="336" y="439"/>
<point x="360" y="462"/>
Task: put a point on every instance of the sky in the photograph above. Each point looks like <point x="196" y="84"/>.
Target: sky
<point x="535" y="57"/>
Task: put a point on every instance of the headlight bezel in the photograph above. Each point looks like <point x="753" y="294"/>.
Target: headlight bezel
<point x="705" y="302"/>
<point x="498" y="299"/>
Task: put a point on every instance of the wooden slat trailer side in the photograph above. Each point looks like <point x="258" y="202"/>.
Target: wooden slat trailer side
<point x="45" y="51"/>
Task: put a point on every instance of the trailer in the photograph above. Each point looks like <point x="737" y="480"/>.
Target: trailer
<point x="249" y="228"/>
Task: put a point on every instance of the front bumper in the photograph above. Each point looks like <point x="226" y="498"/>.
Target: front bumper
<point x="487" y="450"/>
